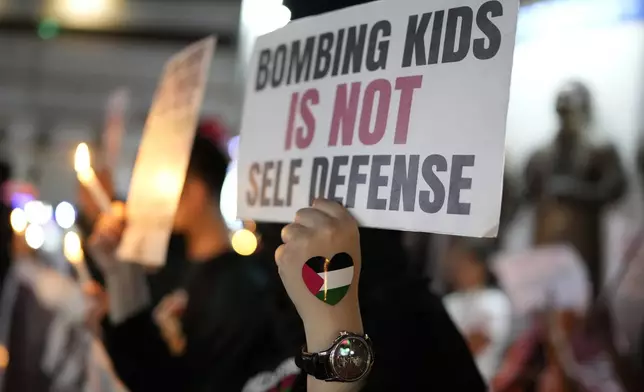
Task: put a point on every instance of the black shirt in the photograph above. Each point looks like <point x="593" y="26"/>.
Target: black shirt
<point x="227" y="325"/>
<point x="242" y="333"/>
<point x="416" y="345"/>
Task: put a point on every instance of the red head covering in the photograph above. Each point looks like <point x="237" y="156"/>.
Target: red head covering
<point x="214" y="130"/>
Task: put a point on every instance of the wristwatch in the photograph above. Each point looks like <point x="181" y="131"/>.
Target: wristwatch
<point x="349" y="359"/>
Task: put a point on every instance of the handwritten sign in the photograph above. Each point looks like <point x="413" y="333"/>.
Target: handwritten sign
<point x="395" y="109"/>
<point x="164" y="153"/>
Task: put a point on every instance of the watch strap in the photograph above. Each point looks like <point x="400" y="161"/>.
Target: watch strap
<point x="314" y="364"/>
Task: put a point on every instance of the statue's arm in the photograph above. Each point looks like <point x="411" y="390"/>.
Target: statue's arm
<point x="613" y="183"/>
<point x="607" y="188"/>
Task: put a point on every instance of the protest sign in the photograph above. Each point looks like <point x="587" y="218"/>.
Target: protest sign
<point x="548" y="277"/>
<point x="164" y="153"/>
<point x="114" y="127"/>
<point x="396" y="109"/>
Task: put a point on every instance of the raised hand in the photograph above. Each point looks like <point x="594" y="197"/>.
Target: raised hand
<point x="319" y="264"/>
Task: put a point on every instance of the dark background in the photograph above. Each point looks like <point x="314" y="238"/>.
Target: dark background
<point x="303" y="8"/>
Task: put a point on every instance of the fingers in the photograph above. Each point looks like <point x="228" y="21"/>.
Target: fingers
<point x="293" y="231"/>
<point x="108" y="231"/>
<point x="331" y="208"/>
<point x="279" y="254"/>
<point x="313" y="218"/>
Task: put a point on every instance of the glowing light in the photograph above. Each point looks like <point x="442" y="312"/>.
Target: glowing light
<point x="18" y="219"/>
<point x="34" y="236"/>
<point x="4" y="357"/>
<point x="88" y="13"/>
<point x="53" y="239"/>
<point x="228" y="199"/>
<point x="72" y="248"/>
<point x="82" y="159"/>
<point x="244" y="242"/>
<point x="267" y="16"/>
<point x="233" y="147"/>
<point x="65" y="215"/>
<point x="167" y="183"/>
<point x="19" y="199"/>
<point x="38" y="212"/>
<point x="48" y="29"/>
<point x="87" y="177"/>
<point x="282" y="16"/>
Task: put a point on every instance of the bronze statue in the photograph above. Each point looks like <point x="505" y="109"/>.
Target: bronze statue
<point x="572" y="179"/>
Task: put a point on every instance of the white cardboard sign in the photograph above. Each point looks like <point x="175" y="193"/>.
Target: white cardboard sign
<point x="164" y="154"/>
<point x="550" y="276"/>
<point x="396" y="109"/>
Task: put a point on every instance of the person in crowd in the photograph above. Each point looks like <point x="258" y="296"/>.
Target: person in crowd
<point x="479" y="308"/>
<point x="213" y="331"/>
<point x="160" y="281"/>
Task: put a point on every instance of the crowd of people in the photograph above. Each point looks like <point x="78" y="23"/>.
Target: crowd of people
<point x="213" y="320"/>
<point x="210" y="319"/>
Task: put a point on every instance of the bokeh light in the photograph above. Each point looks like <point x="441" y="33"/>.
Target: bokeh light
<point x="34" y="236"/>
<point x="38" y="212"/>
<point x="82" y="158"/>
<point x="65" y="215"/>
<point x="228" y="199"/>
<point x="233" y="147"/>
<point x="267" y="16"/>
<point x="244" y="242"/>
<point x="4" y="357"/>
<point x="72" y="247"/>
<point x="86" y="13"/>
<point x="18" y="219"/>
<point x="48" y="28"/>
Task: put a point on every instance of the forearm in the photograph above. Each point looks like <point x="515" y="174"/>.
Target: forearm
<point x="607" y="190"/>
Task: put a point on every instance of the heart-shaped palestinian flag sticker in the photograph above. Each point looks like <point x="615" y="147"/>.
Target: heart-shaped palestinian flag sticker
<point x="329" y="279"/>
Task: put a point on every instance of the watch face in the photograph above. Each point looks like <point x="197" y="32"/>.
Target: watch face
<point x="351" y="358"/>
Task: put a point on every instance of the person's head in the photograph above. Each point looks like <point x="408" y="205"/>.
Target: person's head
<point x="467" y="264"/>
<point x="574" y="108"/>
<point x="206" y="172"/>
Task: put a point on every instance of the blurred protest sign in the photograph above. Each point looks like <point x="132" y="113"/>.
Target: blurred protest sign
<point x="164" y="153"/>
<point x="624" y="295"/>
<point x="114" y="126"/>
<point x="549" y="277"/>
<point x="44" y="342"/>
<point x="395" y="109"/>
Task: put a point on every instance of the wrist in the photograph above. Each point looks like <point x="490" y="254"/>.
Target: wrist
<point x="320" y="334"/>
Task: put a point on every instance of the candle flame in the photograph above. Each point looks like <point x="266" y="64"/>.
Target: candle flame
<point x="82" y="160"/>
<point x="72" y="248"/>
